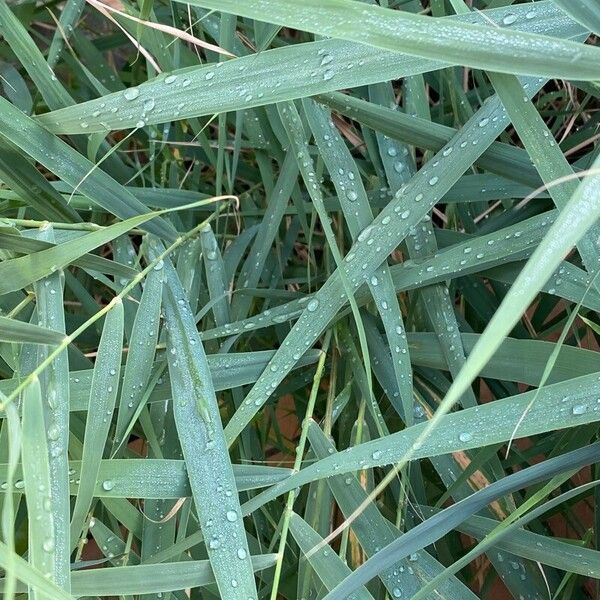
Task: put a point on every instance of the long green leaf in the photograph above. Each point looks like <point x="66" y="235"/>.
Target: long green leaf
<point x="267" y="77"/>
<point x="36" y="475"/>
<point x="103" y="394"/>
<point x="479" y="46"/>
<point x="204" y="449"/>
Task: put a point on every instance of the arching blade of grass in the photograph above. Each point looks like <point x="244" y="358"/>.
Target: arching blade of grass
<point x="10" y="240"/>
<point x="477" y="46"/>
<point x="204" y="449"/>
<point x="103" y="395"/>
<point x="35" y="453"/>
<point x="21" y="332"/>
<point x="492" y="423"/>
<point x="72" y="168"/>
<point x="20" y="272"/>
<point x="267" y="78"/>
<point x="444" y="521"/>
<point x="330" y="568"/>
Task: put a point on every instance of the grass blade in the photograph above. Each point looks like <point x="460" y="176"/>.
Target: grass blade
<point x="37" y="486"/>
<point x="204" y="449"/>
<point x="475" y="46"/>
<point x="103" y="394"/>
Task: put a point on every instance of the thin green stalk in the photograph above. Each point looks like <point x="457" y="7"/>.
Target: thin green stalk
<point x="289" y="506"/>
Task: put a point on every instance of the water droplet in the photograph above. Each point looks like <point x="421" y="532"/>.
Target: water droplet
<point x="579" y="409"/>
<point x="209" y="75"/>
<point x="376" y="455"/>
<point x="465" y="436"/>
<point x="241" y="554"/>
<point x="434" y="180"/>
<point x="131" y="93"/>
<point x="53" y="433"/>
<point x="108" y="485"/>
<point x="328" y="75"/>
<point x="509" y="19"/>
<point x="351" y="195"/>
<point x="170" y="79"/>
<point x="312" y="305"/>
<point x="231" y="516"/>
<point x="364" y="234"/>
<point x="396" y="592"/>
<point x="48" y="545"/>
